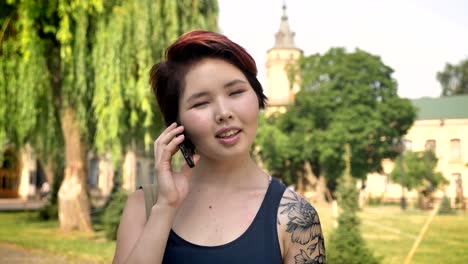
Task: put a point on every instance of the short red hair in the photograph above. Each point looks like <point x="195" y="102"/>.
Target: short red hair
<point x="167" y="77"/>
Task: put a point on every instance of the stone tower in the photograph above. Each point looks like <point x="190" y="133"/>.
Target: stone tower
<point x="280" y="90"/>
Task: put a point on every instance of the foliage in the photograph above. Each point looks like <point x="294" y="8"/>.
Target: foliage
<point x="346" y="244"/>
<point x="274" y="148"/>
<point x="418" y="171"/>
<point x="445" y="207"/>
<point x="344" y="97"/>
<point x="454" y="78"/>
<point x="113" y="211"/>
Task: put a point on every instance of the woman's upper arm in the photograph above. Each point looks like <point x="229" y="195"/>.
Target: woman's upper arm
<point x="302" y="232"/>
<point x="131" y="225"/>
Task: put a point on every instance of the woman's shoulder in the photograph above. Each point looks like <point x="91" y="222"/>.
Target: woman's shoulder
<point x="300" y="229"/>
<point x="294" y="210"/>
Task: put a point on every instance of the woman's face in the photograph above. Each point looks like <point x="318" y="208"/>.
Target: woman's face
<point x="219" y="109"/>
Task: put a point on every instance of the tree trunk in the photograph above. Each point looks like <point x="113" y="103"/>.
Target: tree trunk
<point x="322" y="189"/>
<point x="129" y="171"/>
<point x="300" y="183"/>
<point x="74" y="212"/>
<point x="106" y="176"/>
<point x="316" y="184"/>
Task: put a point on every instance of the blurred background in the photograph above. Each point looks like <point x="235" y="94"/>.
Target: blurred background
<point x="367" y="119"/>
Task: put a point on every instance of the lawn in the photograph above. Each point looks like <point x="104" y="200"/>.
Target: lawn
<point x="387" y="230"/>
<point x="391" y="233"/>
<point x="23" y="228"/>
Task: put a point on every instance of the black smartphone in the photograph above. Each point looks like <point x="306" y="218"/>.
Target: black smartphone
<point x="187" y="148"/>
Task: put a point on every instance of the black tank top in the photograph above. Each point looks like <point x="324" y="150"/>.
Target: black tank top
<point x="258" y="244"/>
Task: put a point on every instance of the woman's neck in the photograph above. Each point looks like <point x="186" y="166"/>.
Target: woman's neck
<point x="234" y="173"/>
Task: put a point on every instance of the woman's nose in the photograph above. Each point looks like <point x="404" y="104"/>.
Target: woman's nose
<point x="223" y="114"/>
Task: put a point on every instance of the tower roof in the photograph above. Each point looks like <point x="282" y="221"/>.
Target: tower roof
<point x="284" y="38"/>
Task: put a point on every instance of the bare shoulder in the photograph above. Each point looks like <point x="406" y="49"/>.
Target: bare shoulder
<point x="302" y="234"/>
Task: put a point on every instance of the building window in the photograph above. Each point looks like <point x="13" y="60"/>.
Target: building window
<point x="430" y="145"/>
<point x="455" y="149"/>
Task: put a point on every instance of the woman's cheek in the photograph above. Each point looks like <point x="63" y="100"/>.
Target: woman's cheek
<point x="196" y="126"/>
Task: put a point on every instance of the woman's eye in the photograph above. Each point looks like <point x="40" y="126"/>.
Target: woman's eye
<point x="236" y="92"/>
<point x="199" y="104"/>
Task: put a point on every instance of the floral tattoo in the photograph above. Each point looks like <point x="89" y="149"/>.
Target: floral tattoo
<point x="304" y="226"/>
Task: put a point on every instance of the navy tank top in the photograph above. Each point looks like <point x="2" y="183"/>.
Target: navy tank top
<point x="258" y="244"/>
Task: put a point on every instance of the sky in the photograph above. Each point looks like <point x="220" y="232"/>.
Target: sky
<point x="416" y="38"/>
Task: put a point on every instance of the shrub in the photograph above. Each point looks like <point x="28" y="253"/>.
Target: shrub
<point x="110" y="218"/>
<point x="346" y="244"/>
<point x="445" y="207"/>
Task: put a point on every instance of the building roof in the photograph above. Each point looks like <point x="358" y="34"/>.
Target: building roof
<point x="447" y="107"/>
<point x="284" y="38"/>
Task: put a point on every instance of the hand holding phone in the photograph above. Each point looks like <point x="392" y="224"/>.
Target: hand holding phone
<point x="173" y="186"/>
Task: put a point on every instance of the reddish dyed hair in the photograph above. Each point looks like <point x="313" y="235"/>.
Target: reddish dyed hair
<point x="167" y="77"/>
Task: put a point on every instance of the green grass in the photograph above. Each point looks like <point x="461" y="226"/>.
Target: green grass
<point x="23" y="228"/>
<point x="390" y="233"/>
<point x="387" y="230"/>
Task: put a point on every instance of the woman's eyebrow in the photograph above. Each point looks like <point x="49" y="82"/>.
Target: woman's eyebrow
<point x="233" y="82"/>
<point x="196" y="96"/>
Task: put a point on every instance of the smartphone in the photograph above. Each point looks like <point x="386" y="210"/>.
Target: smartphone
<point x="187" y="148"/>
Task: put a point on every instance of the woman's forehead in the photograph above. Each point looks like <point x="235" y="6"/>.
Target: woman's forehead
<point x="211" y="74"/>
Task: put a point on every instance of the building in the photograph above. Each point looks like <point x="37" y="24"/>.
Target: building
<point x="282" y="86"/>
<point x="442" y="126"/>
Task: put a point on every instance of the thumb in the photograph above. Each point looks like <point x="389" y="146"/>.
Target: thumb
<point x="186" y="170"/>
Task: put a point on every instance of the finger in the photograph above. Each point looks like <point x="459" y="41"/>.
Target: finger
<point x="171" y="148"/>
<point x="169" y="127"/>
<point x="166" y="136"/>
<point x="169" y="134"/>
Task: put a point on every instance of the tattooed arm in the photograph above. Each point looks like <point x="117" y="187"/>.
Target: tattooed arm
<point x="302" y="235"/>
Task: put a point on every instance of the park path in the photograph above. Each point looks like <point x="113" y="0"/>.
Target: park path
<point x="14" y="254"/>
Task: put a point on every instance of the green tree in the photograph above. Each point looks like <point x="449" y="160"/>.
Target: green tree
<point x="418" y="173"/>
<point x="346" y="243"/>
<point x="454" y="78"/>
<point x="273" y="148"/>
<point x="345" y="97"/>
<point x="78" y="70"/>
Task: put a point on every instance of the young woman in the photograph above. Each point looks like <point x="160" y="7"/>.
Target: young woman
<point x="225" y="209"/>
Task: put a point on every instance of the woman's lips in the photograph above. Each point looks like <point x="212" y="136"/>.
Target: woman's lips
<point x="230" y="140"/>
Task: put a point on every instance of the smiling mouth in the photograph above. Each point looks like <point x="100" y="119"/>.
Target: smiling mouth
<point x="228" y="134"/>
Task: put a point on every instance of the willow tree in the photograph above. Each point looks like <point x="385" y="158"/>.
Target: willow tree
<point x="82" y="66"/>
